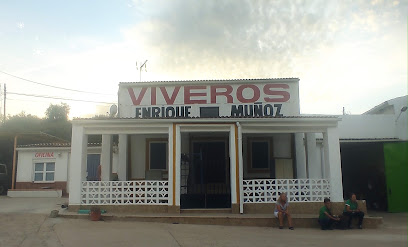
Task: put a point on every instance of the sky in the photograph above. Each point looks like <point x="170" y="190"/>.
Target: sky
<point x="348" y="53"/>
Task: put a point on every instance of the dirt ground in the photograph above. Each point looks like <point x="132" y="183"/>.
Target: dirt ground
<point x="21" y="226"/>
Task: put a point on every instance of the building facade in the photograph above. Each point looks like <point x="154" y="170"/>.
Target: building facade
<point x="43" y="169"/>
<point x="374" y="155"/>
<point x="208" y="144"/>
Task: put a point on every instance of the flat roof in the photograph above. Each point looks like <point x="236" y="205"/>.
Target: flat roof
<point x="210" y="81"/>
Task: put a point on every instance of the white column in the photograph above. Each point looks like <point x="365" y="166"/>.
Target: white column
<point x="77" y="170"/>
<point x="177" y="166"/>
<point x="106" y="157"/>
<point x="300" y="156"/>
<point x="171" y="170"/>
<point x="333" y="163"/>
<point x="241" y="170"/>
<point x="122" y="164"/>
<point x="233" y="165"/>
<point x="313" y="166"/>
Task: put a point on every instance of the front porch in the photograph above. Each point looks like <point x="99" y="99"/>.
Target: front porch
<point x="292" y="166"/>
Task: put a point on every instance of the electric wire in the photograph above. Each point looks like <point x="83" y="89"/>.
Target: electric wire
<point x="47" y="85"/>
<point x="53" y="97"/>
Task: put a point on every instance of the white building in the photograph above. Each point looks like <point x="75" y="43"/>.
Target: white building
<point x="42" y="169"/>
<point x="208" y="144"/>
<point x="374" y="155"/>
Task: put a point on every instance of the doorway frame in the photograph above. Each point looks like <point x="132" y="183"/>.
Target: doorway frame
<point x="193" y="140"/>
<point x="232" y="130"/>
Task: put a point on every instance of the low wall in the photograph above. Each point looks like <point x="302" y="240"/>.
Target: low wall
<point x="299" y="207"/>
<point x="57" y="185"/>
<point x="118" y="209"/>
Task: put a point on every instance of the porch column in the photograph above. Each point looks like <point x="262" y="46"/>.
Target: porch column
<point x="77" y="170"/>
<point x="106" y="157"/>
<point x="122" y="163"/>
<point x="240" y="169"/>
<point x="177" y="167"/>
<point x="233" y="166"/>
<point x="300" y="156"/>
<point x="171" y="164"/>
<point x="333" y="163"/>
<point x="313" y="168"/>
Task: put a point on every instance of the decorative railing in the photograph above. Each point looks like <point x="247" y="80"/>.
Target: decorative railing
<point x="297" y="190"/>
<point x="124" y="192"/>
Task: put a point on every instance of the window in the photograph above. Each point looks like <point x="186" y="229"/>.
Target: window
<point x="259" y="155"/>
<point x="209" y="112"/>
<point x="44" y="171"/>
<point x="157" y="152"/>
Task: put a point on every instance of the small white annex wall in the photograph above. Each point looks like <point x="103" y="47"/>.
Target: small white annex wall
<point x="26" y="160"/>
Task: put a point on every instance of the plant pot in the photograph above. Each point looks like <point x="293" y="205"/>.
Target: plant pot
<point x="95" y="216"/>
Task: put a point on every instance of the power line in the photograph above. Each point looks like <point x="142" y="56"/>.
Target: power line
<point x="27" y="100"/>
<point x="52" y="97"/>
<point x="46" y="85"/>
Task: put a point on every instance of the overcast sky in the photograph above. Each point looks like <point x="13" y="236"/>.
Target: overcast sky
<point x="350" y="54"/>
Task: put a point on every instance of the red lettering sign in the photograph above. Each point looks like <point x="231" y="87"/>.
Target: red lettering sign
<point x="255" y="90"/>
<point x="136" y="101"/>
<point x="197" y="94"/>
<point x="44" y="155"/>
<point x="285" y="95"/>
<point x="226" y="93"/>
<point x="153" y="95"/>
<point x="170" y="100"/>
<point x="188" y="95"/>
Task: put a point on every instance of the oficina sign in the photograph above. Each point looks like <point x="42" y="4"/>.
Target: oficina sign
<point x="44" y="155"/>
<point x="246" y="98"/>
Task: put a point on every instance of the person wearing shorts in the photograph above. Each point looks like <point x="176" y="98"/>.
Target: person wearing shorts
<point x="282" y="210"/>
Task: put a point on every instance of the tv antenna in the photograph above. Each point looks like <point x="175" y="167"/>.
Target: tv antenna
<point x="140" y="69"/>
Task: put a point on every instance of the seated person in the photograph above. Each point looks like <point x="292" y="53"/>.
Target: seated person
<point x="326" y="218"/>
<point x="282" y="210"/>
<point x="351" y="210"/>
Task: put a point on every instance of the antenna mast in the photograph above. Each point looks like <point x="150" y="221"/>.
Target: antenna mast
<point x="140" y="69"/>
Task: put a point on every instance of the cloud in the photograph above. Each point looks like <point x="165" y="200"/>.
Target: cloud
<point x="330" y="45"/>
<point x="241" y="38"/>
<point x="341" y="42"/>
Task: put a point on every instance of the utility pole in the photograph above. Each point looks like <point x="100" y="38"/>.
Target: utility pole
<point x="0" y="98"/>
<point x="4" y="105"/>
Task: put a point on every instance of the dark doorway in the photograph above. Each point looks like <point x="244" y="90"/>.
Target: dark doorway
<point x="207" y="177"/>
<point x="363" y="173"/>
<point x="92" y="163"/>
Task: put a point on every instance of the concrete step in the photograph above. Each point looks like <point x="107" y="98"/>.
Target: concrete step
<point x="302" y="221"/>
<point x="206" y="211"/>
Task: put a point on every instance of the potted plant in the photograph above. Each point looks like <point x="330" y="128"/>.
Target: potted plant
<point x="95" y="213"/>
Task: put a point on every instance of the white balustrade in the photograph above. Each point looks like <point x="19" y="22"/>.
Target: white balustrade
<point x="144" y="192"/>
<point x="297" y="190"/>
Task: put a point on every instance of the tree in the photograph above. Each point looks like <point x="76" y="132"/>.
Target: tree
<point x="58" y="112"/>
<point x="22" y="123"/>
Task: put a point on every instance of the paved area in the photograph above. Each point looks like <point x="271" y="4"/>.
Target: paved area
<point x="20" y="226"/>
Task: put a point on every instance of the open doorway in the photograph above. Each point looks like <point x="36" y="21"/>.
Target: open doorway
<point x="206" y="175"/>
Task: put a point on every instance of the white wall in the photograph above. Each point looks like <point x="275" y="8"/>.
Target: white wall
<point x="367" y="126"/>
<point x="401" y="122"/>
<point x="150" y="94"/>
<point x="282" y="148"/>
<point x="26" y="160"/>
<point x="392" y="108"/>
<point x="138" y="154"/>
